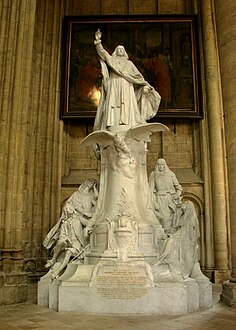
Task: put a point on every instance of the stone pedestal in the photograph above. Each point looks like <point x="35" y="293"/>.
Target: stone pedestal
<point x="228" y="294"/>
<point x="13" y="287"/>
<point x="146" y="248"/>
<point x="205" y="293"/>
<point x="122" y="288"/>
<point x="48" y="289"/>
<point x="133" y="265"/>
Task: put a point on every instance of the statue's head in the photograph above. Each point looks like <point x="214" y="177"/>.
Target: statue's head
<point x="69" y="209"/>
<point x="90" y="183"/>
<point x="87" y="184"/>
<point x="161" y="165"/>
<point x="120" y="52"/>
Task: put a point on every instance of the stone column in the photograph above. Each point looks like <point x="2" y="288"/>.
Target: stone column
<point x="225" y="13"/>
<point x="214" y="115"/>
<point x="16" y="47"/>
<point x="43" y="161"/>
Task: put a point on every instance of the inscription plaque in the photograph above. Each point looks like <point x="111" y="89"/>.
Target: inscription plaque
<point x="121" y="282"/>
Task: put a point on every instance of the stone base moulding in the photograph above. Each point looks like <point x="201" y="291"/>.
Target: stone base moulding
<point x="13" y="288"/>
<point x="121" y="288"/>
<point x="228" y="294"/>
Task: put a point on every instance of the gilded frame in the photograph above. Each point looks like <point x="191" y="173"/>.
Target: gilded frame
<point x="164" y="48"/>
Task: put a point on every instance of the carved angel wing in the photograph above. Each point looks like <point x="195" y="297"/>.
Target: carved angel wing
<point x="103" y="138"/>
<point x="142" y="132"/>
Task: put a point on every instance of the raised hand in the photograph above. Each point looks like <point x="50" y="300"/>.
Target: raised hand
<point x="98" y="35"/>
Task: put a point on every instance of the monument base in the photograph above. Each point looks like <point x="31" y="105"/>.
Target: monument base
<point x="121" y="288"/>
<point x="13" y="287"/>
<point x="228" y="294"/>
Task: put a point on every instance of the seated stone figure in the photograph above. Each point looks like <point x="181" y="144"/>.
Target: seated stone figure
<point x="69" y="237"/>
<point x="178" y="257"/>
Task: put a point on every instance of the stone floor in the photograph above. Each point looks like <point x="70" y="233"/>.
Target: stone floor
<point x="29" y="316"/>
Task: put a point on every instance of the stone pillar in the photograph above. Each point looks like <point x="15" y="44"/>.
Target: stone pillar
<point x="226" y="32"/>
<point x="214" y="115"/>
<point x="30" y="137"/>
<point x="16" y="47"/>
<point x="43" y="161"/>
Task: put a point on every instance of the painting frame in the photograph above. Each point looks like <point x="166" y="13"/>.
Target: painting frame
<point x="163" y="47"/>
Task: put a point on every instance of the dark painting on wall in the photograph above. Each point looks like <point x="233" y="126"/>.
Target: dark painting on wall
<point x="164" y="49"/>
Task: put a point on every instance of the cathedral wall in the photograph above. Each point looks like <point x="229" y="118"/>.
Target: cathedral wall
<point x="41" y="160"/>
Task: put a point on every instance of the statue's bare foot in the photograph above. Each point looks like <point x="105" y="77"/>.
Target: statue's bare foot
<point x="53" y="276"/>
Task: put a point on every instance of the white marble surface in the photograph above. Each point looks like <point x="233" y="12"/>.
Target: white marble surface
<point x="205" y="293"/>
<point x="43" y="292"/>
<point x="142" y="255"/>
<point x="53" y="294"/>
<point x="163" y="299"/>
<point x="123" y="289"/>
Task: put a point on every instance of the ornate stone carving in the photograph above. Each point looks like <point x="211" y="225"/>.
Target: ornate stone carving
<point x="179" y="256"/>
<point x="143" y="237"/>
<point x="69" y="237"/>
<point x="126" y="98"/>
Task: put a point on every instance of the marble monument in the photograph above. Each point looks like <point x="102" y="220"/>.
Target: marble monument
<point x="128" y="244"/>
